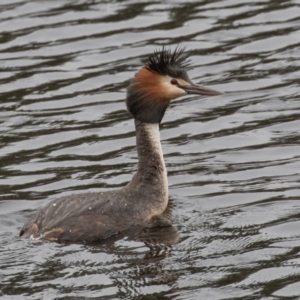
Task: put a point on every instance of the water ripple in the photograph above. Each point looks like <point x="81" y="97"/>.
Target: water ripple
<point x="233" y="161"/>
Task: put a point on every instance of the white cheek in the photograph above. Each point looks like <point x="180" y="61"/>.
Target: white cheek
<point x="172" y="90"/>
<point x="176" y="91"/>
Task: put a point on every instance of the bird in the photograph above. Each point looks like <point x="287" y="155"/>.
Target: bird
<point x="95" y="216"/>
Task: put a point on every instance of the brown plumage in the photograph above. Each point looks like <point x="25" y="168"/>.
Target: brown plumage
<point x="95" y="216"/>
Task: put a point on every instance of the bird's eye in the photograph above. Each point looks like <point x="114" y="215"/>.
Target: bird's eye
<point x="174" y="81"/>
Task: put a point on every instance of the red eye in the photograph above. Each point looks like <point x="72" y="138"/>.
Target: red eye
<point x="174" y="81"/>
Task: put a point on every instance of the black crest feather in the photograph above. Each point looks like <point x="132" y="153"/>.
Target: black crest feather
<point x="166" y="62"/>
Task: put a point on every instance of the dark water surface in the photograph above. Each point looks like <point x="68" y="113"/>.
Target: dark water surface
<point x="233" y="160"/>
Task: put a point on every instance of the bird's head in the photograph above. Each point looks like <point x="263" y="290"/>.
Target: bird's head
<point x="161" y="80"/>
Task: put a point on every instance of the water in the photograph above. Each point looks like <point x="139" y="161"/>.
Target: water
<point x="233" y="160"/>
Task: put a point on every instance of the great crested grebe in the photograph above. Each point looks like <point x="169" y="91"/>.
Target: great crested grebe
<point x="92" y="217"/>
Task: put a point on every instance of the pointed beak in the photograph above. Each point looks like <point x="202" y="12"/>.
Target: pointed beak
<point x="194" y="89"/>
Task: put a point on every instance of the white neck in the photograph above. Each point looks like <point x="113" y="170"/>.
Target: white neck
<point x="152" y="130"/>
<point x="151" y="174"/>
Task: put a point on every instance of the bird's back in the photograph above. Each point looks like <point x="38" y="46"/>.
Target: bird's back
<point x="84" y="217"/>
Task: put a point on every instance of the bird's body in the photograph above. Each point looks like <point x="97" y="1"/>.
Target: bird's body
<point x="95" y="216"/>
